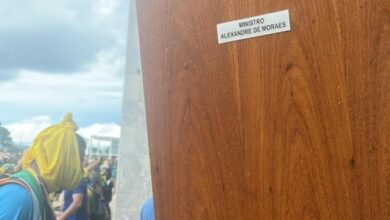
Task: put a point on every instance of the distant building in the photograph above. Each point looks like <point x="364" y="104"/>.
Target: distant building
<point x="102" y="146"/>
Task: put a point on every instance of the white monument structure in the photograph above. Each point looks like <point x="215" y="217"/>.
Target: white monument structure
<point x="133" y="178"/>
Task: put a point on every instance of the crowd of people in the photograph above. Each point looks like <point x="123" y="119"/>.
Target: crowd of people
<point x="54" y="167"/>
<point x="9" y="162"/>
<point x="92" y="198"/>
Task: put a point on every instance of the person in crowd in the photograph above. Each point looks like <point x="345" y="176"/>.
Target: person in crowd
<point x="75" y="203"/>
<point x="147" y="212"/>
<point x="19" y="164"/>
<point x="97" y="210"/>
<point x="91" y="165"/>
<point x="107" y="185"/>
<point x="8" y="168"/>
<point x="114" y="169"/>
<point x="51" y="164"/>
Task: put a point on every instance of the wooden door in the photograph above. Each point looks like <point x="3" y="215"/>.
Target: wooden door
<point x="293" y="125"/>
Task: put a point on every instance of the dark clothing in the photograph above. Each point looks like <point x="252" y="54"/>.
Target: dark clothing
<point x="82" y="212"/>
<point x="107" y="191"/>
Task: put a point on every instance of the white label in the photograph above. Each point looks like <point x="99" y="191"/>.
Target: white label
<point x="261" y="25"/>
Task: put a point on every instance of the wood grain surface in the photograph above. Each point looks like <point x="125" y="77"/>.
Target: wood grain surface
<point x="287" y="126"/>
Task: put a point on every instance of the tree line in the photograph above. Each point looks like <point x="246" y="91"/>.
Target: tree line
<point x="5" y="138"/>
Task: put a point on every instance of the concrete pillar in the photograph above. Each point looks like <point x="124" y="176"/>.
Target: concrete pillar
<point x="133" y="180"/>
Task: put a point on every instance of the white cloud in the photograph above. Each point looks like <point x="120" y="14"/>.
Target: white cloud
<point x="101" y="83"/>
<point x="25" y="131"/>
<point x="54" y="36"/>
<point x="91" y="88"/>
<point x="106" y="130"/>
<point x="104" y="7"/>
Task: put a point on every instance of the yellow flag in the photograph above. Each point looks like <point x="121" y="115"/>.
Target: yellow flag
<point x="55" y="151"/>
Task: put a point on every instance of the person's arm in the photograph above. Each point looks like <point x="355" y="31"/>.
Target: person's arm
<point x="93" y="164"/>
<point x="74" y="206"/>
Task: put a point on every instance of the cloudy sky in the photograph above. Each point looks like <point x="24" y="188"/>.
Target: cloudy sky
<point x="62" y="56"/>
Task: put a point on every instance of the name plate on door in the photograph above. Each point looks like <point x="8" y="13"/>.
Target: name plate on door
<point x="257" y="26"/>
